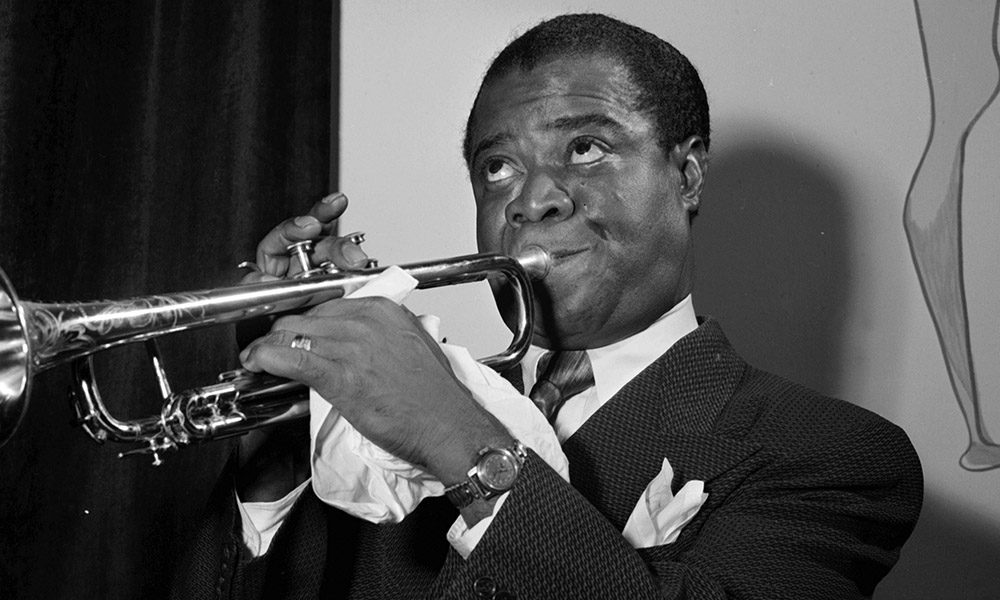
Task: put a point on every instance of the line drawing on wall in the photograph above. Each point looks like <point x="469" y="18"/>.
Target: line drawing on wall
<point x="932" y="215"/>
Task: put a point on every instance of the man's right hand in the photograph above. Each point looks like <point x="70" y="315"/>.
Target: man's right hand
<point x="275" y="460"/>
<point x="317" y="225"/>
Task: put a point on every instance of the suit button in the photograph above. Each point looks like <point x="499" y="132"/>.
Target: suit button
<point x="485" y="587"/>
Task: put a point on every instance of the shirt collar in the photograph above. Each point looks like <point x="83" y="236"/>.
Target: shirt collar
<point x="618" y="363"/>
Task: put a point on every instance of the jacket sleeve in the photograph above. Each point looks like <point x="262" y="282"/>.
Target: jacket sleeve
<point x="822" y="523"/>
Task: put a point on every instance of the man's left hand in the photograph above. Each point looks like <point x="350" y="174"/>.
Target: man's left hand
<point x="372" y="360"/>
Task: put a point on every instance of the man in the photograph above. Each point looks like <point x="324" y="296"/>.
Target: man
<point x="589" y="138"/>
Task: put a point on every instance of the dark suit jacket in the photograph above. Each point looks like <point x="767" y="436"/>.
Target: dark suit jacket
<point x="808" y="497"/>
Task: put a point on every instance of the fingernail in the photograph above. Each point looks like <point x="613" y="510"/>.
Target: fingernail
<point x="332" y="198"/>
<point x="269" y="265"/>
<point x="355" y="255"/>
<point x="306" y="220"/>
<point x="249" y="264"/>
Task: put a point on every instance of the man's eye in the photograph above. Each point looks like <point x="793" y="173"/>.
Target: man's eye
<point x="497" y="170"/>
<point x="585" y="151"/>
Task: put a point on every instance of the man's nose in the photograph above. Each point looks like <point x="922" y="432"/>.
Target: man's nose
<point x="541" y="198"/>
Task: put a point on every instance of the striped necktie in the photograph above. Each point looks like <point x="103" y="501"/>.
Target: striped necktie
<point x="564" y="374"/>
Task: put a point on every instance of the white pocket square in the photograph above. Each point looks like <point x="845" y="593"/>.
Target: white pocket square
<point x="659" y="515"/>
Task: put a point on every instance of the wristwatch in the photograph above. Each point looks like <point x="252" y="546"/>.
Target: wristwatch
<point x="495" y="471"/>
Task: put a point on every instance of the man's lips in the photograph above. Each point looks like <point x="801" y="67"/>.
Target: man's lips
<point x="566" y="253"/>
<point x="555" y="254"/>
<point x="555" y="258"/>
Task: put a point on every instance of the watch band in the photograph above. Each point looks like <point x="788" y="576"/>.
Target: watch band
<point x="464" y="493"/>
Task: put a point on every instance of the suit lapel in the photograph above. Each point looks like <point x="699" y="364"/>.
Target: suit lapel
<point x="615" y="453"/>
<point x="667" y="411"/>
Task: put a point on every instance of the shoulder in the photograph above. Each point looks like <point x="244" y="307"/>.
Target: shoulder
<point x="741" y="401"/>
<point x="790" y="421"/>
<point x="767" y="405"/>
<point x="801" y="428"/>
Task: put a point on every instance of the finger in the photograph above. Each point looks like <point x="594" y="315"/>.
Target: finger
<point x="341" y="349"/>
<point x="345" y="329"/>
<point x="321" y="220"/>
<point x="308" y="368"/>
<point x="377" y="309"/>
<point x="360" y="319"/>
<point x="348" y="338"/>
<point x="342" y="327"/>
<point x="272" y="251"/>
<point x="278" y="337"/>
<point x="257" y="277"/>
<point x="274" y="337"/>
<point x="355" y="320"/>
<point x="341" y="251"/>
<point x="328" y="210"/>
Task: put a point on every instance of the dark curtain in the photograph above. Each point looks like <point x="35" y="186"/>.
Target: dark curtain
<point x="145" y="147"/>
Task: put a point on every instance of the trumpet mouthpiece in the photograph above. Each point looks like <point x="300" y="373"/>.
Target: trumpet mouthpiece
<point x="535" y="260"/>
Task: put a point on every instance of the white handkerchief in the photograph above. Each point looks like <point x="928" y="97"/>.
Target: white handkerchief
<point x="659" y="515"/>
<point x="353" y="474"/>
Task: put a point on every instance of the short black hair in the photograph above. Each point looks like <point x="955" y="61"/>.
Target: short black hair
<point x="668" y="86"/>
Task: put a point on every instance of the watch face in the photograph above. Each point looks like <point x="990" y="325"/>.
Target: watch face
<point x="498" y="470"/>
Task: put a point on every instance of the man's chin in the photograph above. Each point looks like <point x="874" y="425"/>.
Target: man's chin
<point x="568" y="328"/>
<point x="568" y="323"/>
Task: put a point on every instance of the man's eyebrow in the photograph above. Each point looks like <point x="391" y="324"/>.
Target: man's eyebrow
<point x="561" y="124"/>
<point x="488" y="142"/>
<point x="585" y="120"/>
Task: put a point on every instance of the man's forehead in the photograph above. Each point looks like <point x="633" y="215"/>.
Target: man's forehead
<point x="558" y="94"/>
<point x="597" y="76"/>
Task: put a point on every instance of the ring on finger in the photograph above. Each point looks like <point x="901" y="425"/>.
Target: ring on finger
<point x="301" y="342"/>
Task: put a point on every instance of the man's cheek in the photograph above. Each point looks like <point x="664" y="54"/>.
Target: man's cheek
<point x="489" y="232"/>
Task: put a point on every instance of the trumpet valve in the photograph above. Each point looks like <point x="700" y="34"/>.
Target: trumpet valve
<point x="299" y="252"/>
<point x="328" y="267"/>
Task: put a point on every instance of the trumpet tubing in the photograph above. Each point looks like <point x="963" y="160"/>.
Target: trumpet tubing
<point x="37" y="336"/>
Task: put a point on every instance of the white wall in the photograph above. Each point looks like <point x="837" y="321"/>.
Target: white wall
<point x="822" y="102"/>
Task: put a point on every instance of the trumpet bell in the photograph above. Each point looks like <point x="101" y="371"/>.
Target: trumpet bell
<point x="15" y="363"/>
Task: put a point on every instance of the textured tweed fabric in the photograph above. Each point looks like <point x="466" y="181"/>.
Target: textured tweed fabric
<point x="809" y="497"/>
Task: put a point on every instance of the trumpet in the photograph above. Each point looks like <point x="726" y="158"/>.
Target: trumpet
<point x="37" y="336"/>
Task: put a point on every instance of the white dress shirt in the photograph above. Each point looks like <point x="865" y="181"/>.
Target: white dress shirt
<point x="613" y="366"/>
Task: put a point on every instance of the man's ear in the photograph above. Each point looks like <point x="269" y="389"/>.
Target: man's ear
<point x="691" y="159"/>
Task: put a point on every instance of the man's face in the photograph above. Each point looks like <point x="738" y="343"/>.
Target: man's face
<point x="561" y="160"/>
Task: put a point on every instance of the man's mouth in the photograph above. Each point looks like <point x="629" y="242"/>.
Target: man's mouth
<point x="566" y="253"/>
<point x="556" y="251"/>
